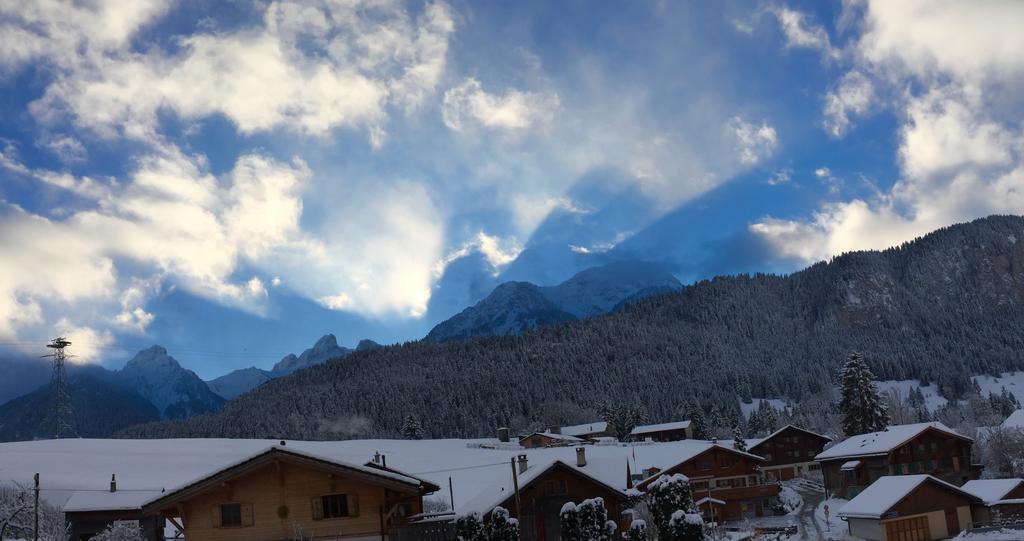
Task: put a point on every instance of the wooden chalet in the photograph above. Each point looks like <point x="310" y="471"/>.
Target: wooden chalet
<point x="546" y="487"/>
<point x="548" y="439"/>
<point x="728" y="482"/>
<point x="90" y="512"/>
<point x="909" y="508"/>
<point x="853" y="464"/>
<point x="674" y="431"/>
<point x="1002" y="500"/>
<point x="286" y="494"/>
<point x="789" y="452"/>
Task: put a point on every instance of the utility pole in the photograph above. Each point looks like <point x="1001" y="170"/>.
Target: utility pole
<point x="515" y="486"/>
<point x="62" y="409"/>
<point x="451" y="491"/>
<point x="36" y="491"/>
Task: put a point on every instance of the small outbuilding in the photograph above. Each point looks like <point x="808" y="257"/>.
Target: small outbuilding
<point x="909" y="508"/>
<point x="1002" y="500"/>
<point x="548" y="439"/>
<point x="675" y="431"/>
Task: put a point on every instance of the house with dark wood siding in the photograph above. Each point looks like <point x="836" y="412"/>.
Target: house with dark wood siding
<point x="789" y="452"/>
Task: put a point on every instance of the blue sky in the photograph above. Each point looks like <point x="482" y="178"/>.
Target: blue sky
<point x="234" y="181"/>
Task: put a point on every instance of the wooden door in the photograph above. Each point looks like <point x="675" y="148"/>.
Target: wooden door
<point x="952" y="522"/>
<point x="908" y="529"/>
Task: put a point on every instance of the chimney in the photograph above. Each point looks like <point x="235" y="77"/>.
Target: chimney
<point x="521" y="459"/>
<point x="581" y="457"/>
<point x="113" y="482"/>
<point x="503" y="435"/>
<point x="376" y="457"/>
<point x="555" y="429"/>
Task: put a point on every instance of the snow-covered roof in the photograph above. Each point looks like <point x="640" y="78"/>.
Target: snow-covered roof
<point x="991" y="490"/>
<point x="647" y="429"/>
<point x="880" y="443"/>
<point x="759" y="441"/>
<point x="692" y="451"/>
<point x="849" y="465"/>
<point x="585" y="429"/>
<point x="1015" y="420"/>
<point x="104" y="500"/>
<point x="879" y="497"/>
<point x="601" y="472"/>
<point x="560" y="437"/>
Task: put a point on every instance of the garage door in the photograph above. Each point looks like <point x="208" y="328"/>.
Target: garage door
<point x="908" y="529"/>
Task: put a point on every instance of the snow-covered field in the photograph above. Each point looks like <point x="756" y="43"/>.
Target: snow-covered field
<point x="66" y="466"/>
<point x="932" y="400"/>
<point x="747" y="409"/>
<point x="1012" y="381"/>
<point x="1004" y="534"/>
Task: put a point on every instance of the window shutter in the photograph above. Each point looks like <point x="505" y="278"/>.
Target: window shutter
<point x="318" y="509"/>
<point x="215" y="515"/>
<point x="247" y="518"/>
<point x="353" y="505"/>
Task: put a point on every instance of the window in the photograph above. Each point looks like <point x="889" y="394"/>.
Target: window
<point x="704" y="464"/>
<point x="335" y="505"/>
<point x="231" y="514"/>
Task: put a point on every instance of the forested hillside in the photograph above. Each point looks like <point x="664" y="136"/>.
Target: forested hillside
<point x="940" y="308"/>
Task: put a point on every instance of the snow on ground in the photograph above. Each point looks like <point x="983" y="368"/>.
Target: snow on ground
<point x="932" y="399"/>
<point x="747" y="409"/>
<point x="1012" y="381"/>
<point x="1002" y="534"/>
<point x="791" y="499"/>
<point x="833" y="528"/>
<point x="69" y="465"/>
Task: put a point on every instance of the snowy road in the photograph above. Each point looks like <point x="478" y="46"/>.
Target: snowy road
<point x="811" y="529"/>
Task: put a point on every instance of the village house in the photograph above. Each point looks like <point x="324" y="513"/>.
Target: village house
<point x="588" y="431"/>
<point x="675" y="431"/>
<point x="544" y="488"/>
<point x="90" y="512"/>
<point x="1002" y="500"/>
<point x="548" y="439"/>
<point x="788" y="452"/>
<point x="282" y="493"/>
<point x="909" y="508"/>
<point x="727" y="484"/>
<point x="923" y="448"/>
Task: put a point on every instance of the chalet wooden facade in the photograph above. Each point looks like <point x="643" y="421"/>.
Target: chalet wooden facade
<point x="924" y="448"/>
<point x="675" y="431"/>
<point x="731" y="481"/>
<point x="925" y="508"/>
<point x="789" y="452"/>
<point x="544" y="489"/>
<point x="285" y="494"/>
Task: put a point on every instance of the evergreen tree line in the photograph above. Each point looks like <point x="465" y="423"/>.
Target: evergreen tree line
<point x="938" y="309"/>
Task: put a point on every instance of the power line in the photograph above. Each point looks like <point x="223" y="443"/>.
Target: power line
<point x="503" y="463"/>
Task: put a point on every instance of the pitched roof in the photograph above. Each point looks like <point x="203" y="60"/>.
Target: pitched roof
<point x="390" y="478"/>
<point x="647" y="429"/>
<point x="759" y="441"/>
<point x="882" y="442"/>
<point x="584" y="429"/>
<point x="693" y="452"/>
<point x="561" y="437"/>
<point x="991" y="490"/>
<point x="882" y="495"/>
<point x="101" y="500"/>
<point x="496" y="493"/>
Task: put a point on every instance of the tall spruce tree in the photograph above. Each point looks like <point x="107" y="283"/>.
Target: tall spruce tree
<point x="860" y="404"/>
<point x="411" y="429"/>
<point x="738" y="442"/>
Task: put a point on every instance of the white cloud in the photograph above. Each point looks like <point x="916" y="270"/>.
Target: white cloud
<point x="851" y="97"/>
<point x="961" y="150"/>
<point x="66" y="148"/>
<point x="782" y="176"/>
<point x="341" y="301"/>
<point x="754" y="142"/>
<point x="498" y="252"/>
<point x="366" y="56"/>
<point x="255" y="288"/>
<point x="469" y="105"/>
<point x="829" y="180"/>
<point x="801" y="32"/>
<point x="87" y="343"/>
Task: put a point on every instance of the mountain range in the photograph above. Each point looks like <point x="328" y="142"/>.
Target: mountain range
<point x="939" y="309"/>
<point x="154" y="386"/>
<point x="515" y="307"/>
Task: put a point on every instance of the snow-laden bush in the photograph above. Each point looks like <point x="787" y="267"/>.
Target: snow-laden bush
<point x="637" y="531"/>
<point x="501" y="526"/>
<point x="587" y="521"/>
<point x="670" y="503"/>
<point x="789" y="501"/>
<point x="17" y="521"/>
<point x="121" y="531"/>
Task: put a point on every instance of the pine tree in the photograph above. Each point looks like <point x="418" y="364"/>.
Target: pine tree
<point x="569" y="522"/>
<point x="411" y="430"/>
<point x="860" y="404"/>
<point x="697" y="422"/>
<point x="738" y="442"/>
